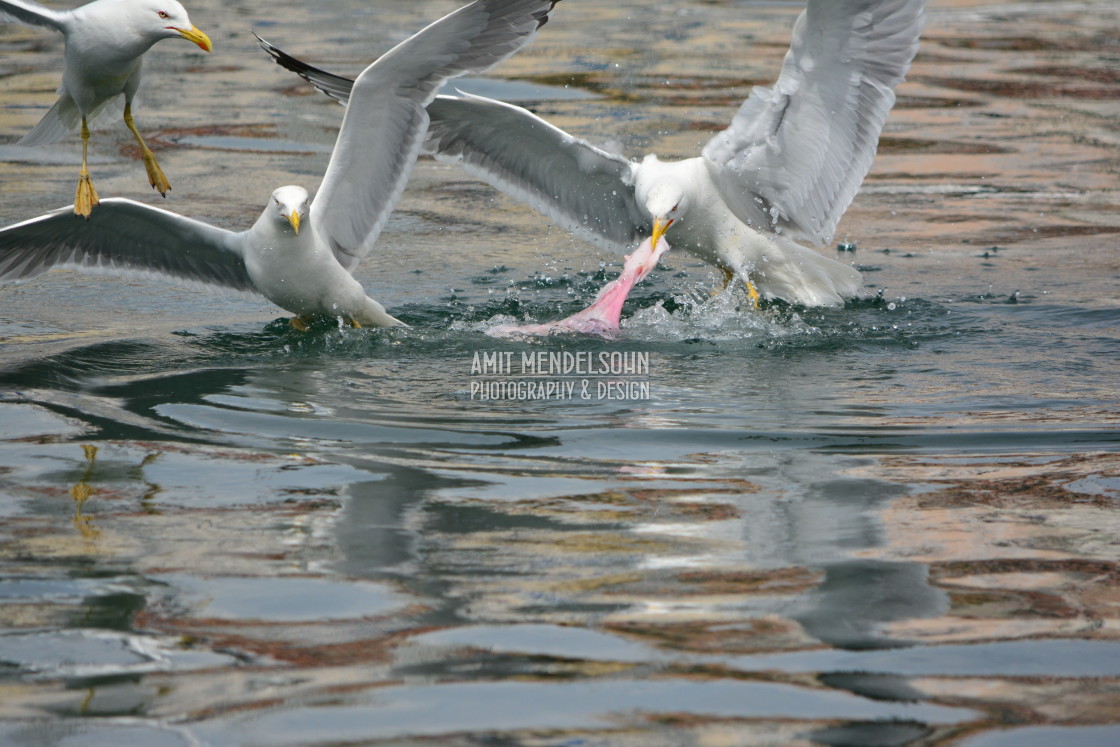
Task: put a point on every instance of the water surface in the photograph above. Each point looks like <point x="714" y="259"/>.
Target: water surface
<point x="891" y="523"/>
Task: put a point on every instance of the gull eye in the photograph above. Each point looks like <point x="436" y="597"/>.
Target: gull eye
<point x="163" y="14"/>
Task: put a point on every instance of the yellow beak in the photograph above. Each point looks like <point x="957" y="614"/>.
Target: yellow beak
<point x="660" y="226"/>
<point x="194" y="35"/>
<point x="294" y="220"/>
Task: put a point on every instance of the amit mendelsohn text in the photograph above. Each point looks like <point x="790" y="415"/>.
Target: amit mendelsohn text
<point x="504" y="363"/>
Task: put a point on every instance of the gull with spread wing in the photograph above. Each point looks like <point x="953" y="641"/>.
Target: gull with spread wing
<point x="105" y="45"/>
<point x="301" y="252"/>
<point x="785" y="170"/>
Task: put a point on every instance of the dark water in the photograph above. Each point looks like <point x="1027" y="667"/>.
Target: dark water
<point x="887" y="524"/>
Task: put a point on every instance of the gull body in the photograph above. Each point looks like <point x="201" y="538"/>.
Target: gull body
<point x="301" y="252"/>
<point x="105" y="45"/>
<point x="699" y="220"/>
<point x="783" y="173"/>
<point x="290" y="264"/>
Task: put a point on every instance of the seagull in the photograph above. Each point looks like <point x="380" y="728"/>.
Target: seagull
<point x="301" y="252"/>
<point x="105" y="45"/>
<point x="783" y="173"/>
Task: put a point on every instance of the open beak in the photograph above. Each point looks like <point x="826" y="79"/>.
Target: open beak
<point x="194" y="35"/>
<point x="294" y="220"/>
<point x="660" y="226"/>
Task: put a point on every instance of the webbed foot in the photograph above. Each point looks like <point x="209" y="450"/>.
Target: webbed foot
<point x="155" y="173"/>
<point x="85" y="198"/>
<point x="299" y="324"/>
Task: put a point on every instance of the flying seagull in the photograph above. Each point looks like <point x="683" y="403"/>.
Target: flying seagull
<point x="300" y="253"/>
<point x="784" y="171"/>
<point x="105" y="45"/>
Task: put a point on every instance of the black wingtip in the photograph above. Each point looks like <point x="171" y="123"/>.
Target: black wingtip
<point x="266" y="46"/>
<point x="332" y="85"/>
<point x="278" y="55"/>
<point x="547" y="14"/>
<point x="286" y="61"/>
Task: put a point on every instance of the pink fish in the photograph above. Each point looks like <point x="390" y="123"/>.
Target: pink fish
<point x="602" y="316"/>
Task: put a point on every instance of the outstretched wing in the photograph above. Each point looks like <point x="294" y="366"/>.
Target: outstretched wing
<point x="795" y="154"/>
<point x="385" y="120"/>
<point x="30" y="13"/>
<point x="125" y="237"/>
<point x="586" y="190"/>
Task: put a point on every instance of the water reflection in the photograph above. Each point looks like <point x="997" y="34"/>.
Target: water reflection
<point x="682" y="532"/>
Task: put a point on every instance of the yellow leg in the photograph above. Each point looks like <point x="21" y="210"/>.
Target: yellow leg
<point x="752" y="292"/>
<point x="155" y="173"/>
<point x="298" y="323"/>
<point x="355" y="324"/>
<point x="85" y="198"/>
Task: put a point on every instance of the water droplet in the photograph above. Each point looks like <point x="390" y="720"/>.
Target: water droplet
<point x="891" y="306"/>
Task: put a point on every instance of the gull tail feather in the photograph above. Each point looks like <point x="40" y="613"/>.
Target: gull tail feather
<point x="806" y="277"/>
<point x="373" y="314"/>
<point x="64" y="118"/>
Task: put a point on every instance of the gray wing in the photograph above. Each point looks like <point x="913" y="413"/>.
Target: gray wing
<point x="385" y="121"/>
<point x="125" y="236"/>
<point x="31" y="14"/>
<point x="586" y="190"/>
<point x="795" y="154"/>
